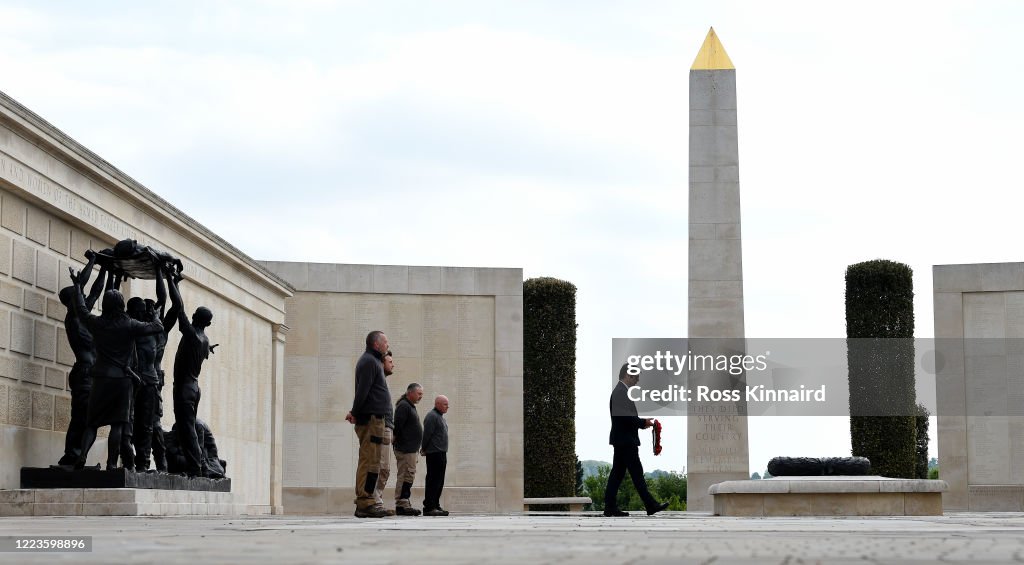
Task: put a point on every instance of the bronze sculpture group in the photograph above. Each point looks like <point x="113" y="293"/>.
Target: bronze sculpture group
<point x="117" y="378"/>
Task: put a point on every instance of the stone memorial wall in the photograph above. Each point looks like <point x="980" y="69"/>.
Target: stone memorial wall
<point x="979" y="332"/>
<point x="456" y="331"/>
<point x="57" y="200"/>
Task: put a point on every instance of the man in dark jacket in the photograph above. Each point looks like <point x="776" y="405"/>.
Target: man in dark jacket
<point x="626" y="444"/>
<point x="408" y="436"/>
<point x="371" y="403"/>
<point x="435" y="447"/>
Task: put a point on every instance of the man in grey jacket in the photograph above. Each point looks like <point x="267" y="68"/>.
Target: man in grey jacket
<point x="371" y="403"/>
<point x="435" y="447"/>
<point x="408" y="439"/>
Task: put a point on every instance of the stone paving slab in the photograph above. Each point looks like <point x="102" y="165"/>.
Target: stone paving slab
<point x="535" y="538"/>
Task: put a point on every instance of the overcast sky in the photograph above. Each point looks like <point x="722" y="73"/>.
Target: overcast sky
<point x="552" y="136"/>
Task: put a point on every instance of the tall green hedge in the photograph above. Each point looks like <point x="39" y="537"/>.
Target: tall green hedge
<point x="880" y="355"/>
<point x="549" y="387"/>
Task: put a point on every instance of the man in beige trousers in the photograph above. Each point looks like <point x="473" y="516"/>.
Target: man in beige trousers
<point x="385" y="447"/>
<point x="371" y="402"/>
<point x="408" y="435"/>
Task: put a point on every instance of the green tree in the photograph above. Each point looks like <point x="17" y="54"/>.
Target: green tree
<point x="627" y="499"/>
<point x="755" y="476"/>
<point x="579" y="477"/>
<point x="669" y="487"/>
<point x="880" y="356"/>
<point x="594" y="485"/>
<point x="921" y="421"/>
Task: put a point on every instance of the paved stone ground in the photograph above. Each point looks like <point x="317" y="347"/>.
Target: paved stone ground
<point x="537" y="538"/>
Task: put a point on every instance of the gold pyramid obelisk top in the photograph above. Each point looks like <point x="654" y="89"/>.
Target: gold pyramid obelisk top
<point x="712" y="55"/>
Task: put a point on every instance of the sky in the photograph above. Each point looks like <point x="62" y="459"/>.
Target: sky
<point x="552" y="136"/>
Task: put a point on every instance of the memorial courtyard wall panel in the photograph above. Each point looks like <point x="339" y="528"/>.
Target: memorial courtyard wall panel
<point x="456" y="331"/>
<point x="979" y="331"/>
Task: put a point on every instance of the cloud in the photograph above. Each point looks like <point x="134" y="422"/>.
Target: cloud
<point x="554" y="137"/>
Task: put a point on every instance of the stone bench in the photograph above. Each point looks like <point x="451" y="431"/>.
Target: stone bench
<point x="829" y="496"/>
<point x="575" y="503"/>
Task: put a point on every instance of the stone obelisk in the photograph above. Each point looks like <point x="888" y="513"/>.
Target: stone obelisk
<point x="716" y="432"/>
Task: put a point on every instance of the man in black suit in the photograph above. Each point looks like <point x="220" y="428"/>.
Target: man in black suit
<point x="626" y="443"/>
